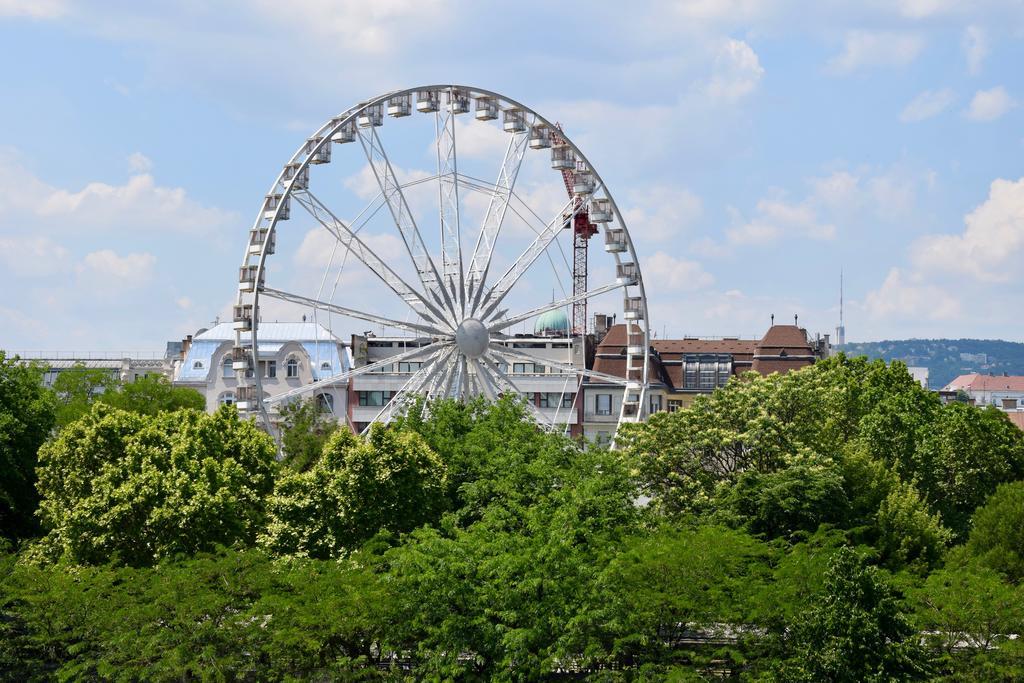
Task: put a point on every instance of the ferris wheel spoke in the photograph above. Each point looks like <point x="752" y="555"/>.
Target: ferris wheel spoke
<point x="413" y="385"/>
<point x="507" y="354"/>
<point x="490" y="300"/>
<point x="340" y="377"/>
<point x="498" y="325"/>
<point x="448" y="203"/>
<point x="353" y="313"/>
<point x="503" y="380"/>
<point x="495" y="216"/>
<point x="404" y="221"/>
<point x="355" y="246"/>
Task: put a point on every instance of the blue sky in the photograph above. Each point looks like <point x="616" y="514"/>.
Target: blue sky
<point x="756" y="148"/>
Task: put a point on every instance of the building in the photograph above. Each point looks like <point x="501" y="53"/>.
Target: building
<point x="121" y="368"/>
<point x="920" y="374"/>
<point x="290" y="356"/>
<point x="551" y="392"/>
<point x="1005" y="392"/>
<point x="681" y="369"/>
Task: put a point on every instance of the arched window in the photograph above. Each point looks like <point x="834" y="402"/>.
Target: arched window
<point x="198" y="365"/>
<point x="326" y="402"/>
<point x="291" y="368"/>
<point x="326" y="366"/>
<point x="228" y="372"/>
<point x="226" y="399"/>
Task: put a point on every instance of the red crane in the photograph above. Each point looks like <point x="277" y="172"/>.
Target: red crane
<point x="582" y="231"/>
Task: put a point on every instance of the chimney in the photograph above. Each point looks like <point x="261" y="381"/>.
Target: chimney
<point x="186" y="344"/>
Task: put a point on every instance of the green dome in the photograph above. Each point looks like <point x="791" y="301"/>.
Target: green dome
<point x="552" y="323"/>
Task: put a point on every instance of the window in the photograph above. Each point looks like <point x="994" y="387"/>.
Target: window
<point x="555" y="400"/>
<point x="325" y="366"/>
<point x="655" y="403"/>
<point x="375" y="398"/>
<point x="198" y="365"/>
<point x="325" y="402"/>
<point x="690" y="374"/>
<point x="292" y="368"/>
<point x="530" y="397"/>
<point x="708" y="375"/>
<point x="527" y="369"/>
<point x="229" y="372"/>
<point x="268" y="369"/>
<point x="227" y="398"/>
<point x="406" y="368"/>
<point x="673" y="406"/>
<point x="603" y="404"/>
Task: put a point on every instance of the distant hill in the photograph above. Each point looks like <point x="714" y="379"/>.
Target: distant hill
<point x="947" y="358"/>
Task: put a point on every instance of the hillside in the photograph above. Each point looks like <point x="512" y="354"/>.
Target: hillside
<point x="947" y="358"/>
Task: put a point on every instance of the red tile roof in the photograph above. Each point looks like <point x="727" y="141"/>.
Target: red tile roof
<point x="978" y="382"/>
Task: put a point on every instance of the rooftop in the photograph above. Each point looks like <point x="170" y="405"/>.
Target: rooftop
<point x="979" y="382"/>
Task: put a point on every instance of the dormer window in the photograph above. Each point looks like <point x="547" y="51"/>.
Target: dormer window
<point x="198" y="365"/>
<point x="291" y="368"/>
<point x="325" y="366"/>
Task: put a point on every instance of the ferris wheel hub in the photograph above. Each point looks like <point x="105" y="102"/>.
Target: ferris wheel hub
<point x="472" y="338"/>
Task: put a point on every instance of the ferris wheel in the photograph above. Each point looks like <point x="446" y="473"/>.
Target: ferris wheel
<point x="454" y="255"/>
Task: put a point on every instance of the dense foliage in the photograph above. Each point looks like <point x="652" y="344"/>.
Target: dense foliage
<point x="834" y="524"/>
<point x="27" y="414"/>
<point x="138" y="488"/>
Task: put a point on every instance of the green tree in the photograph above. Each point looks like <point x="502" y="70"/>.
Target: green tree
<point x="661" y="589"/>
<point x="857" y="630"/>
<point x="225" y="616"/>
<point x="507" y="581"/>
<point x="152" y="394"/>
<point x="389" y="481"/>
<point x="968" y="614"/>
<point x="806" y="493"/>
<point x="997" y="533"/>
<point x="963" y="455"/>
<point x="143" y="488"/>
<point x="305" y="428"/>
<point x="909" y="533"/>
<point x="27" y="415"/>
<point x="77" y="388"/>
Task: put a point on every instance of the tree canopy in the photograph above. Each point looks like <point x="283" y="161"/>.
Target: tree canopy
<point x="27" y="414"/>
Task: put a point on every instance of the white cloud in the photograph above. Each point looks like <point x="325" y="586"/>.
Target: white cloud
<point x="775" y="218"/>
<point x="33" y="9"/>
<point x="664" y="271"/>
<point x="369" y="28"/>
<point x="32" y="256"/>
<point x="901" y="298"/>
<point x="184" y="303"/>
<point x="661" y="212"/>
<point x="138" y="205"/>
<point x="139" y="163"/>
<point x="927" y="104"/>
<point x="992" y="244"/>
<point x="976" y="48"/>
<point x="111" y="270"/>
<point x="873" y="49"/>
<point x="920" y="9"/>
<point x="989" y="105"/>
<point x="735" y="73"/>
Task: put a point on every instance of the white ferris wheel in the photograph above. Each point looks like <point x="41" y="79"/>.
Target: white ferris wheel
<point x="388" y="227"/>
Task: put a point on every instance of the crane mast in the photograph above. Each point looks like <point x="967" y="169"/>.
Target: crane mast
<point x="582" y="230"/>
